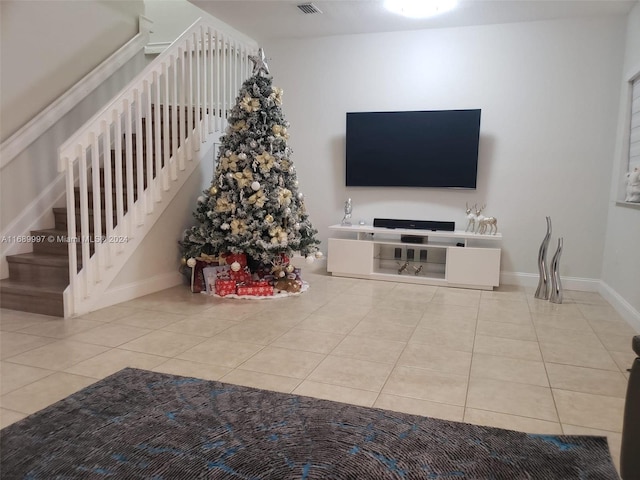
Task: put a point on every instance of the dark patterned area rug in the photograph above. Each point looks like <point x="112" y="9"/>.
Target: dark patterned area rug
<point x="140" y="424"/>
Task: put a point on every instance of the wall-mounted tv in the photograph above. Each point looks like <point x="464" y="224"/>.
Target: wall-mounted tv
<point x="413" y="149"/>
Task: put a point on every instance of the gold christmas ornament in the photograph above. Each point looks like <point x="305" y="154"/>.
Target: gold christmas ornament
<point x="183" y="261"/>
<point x="244" y="178"/>
<point x="250" y="104"/>
<point x="276" y="95"/>
<point x="240" y="126"/>
<point x="204" y="257"/>
<point x="268" y="218"/>
<point x="258" y="199"/>
<point x="224" y="205"/>
<point x="265" y="160"/>
<point x="238" y="227"/>
<point x="213" y="190"/>
<point x="284" y="196"/>
<point x="229" y="162"/>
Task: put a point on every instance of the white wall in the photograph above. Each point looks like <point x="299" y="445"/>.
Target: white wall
<point x="46" y="47"/>
<point x="155" y="263"/>
<point x="621" y="263"/>
<point x="549" y="94"/>
<point x="172" y="17"/>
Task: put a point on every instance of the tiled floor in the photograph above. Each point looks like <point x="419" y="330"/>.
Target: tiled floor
<point x="498" y="358"/>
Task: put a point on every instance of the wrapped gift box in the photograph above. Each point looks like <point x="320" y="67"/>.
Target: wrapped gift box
<point x="256" y="289"/>
<point x="225" y="287"/>
<point x="198" y="280"/>
<point x="211" y="274"/>
<point x="241" y="276"/>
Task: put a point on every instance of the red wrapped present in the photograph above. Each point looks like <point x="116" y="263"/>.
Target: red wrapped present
<point x="256" y="289"/>
<point x="229" y="258"/>
<point x="241" y="276"/>
<point x="225" y="287"/>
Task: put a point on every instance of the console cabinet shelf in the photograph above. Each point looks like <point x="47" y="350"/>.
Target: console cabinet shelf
<point x="454" y="259"/>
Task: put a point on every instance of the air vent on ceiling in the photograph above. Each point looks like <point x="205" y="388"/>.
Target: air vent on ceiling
<point x="309" y="8"/>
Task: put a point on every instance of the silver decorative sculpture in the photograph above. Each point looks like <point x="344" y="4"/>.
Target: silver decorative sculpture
<point x="403" y="267"/>
<point x="491" y="223"/>
<point x="556" y="286"/>
<point x="542" y="291"/>
<point x="483" y="222"/>
<point x="346" y="220"/>
<point x="471" y="217"/>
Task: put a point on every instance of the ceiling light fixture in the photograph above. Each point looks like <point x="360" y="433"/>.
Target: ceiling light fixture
<point x="419" y="8"/>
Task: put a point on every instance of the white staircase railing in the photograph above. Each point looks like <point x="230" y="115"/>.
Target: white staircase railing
<point x="155" y="128"/>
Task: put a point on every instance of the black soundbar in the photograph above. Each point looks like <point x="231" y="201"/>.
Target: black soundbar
<point x="414" y="224"/>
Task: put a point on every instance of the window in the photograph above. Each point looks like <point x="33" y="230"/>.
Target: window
<point x="630" y="162"/>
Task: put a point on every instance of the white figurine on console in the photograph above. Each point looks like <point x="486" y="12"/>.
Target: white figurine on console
<point x="471" y="217"/>
<point x="479" y="216"/>
<point x="633" y="186"/>
<point x="348" y="208"/>
<point x="485" y="223"/>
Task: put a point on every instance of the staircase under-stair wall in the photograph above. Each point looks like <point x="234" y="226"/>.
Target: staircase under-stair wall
<point x="123" y="168"/>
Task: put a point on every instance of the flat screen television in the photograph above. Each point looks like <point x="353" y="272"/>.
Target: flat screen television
<point x="413" y="149"/>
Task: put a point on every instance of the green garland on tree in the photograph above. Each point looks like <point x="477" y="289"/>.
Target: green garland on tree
<point x="253" y="205"/>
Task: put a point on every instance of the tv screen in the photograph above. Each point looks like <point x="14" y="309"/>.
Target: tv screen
<point x="413" y="149"/>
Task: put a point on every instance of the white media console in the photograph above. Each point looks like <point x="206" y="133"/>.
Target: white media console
<point x="453" y="259"/>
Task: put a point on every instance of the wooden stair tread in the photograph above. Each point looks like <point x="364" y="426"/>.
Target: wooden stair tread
<point x="39" y="278"/>
<point x="51" y="260"/>
<point x="50" y="231"/>
<point x="33" y="289"/>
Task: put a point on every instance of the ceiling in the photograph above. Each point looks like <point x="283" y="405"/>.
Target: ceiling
<point x="266" y="20"/>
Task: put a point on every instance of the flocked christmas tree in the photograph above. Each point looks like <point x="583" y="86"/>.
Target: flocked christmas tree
<point x="253" y="205"/>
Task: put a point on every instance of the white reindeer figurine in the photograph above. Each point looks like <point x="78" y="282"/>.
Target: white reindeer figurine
<point x="471" y="217"/>
<point x="479" y="216"/>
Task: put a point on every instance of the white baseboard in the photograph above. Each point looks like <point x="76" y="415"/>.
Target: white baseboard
<point x="319" y="265"/>
<point x="568" y="283"/>
<point x="130" y="291"/>
<point x="624" y="308"/>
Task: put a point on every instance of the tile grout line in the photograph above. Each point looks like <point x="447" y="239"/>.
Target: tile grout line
<point x="395" y="365"/>
<point x="473" y="346"/>
<point x="544" y="364"/>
